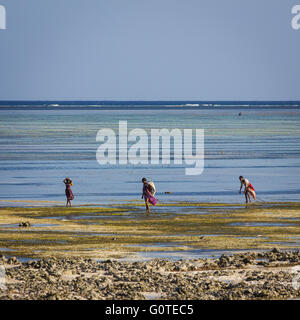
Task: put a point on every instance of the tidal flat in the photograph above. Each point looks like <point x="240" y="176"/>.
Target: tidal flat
<point x="179" y="251"/>
<point x="123" y="231"/>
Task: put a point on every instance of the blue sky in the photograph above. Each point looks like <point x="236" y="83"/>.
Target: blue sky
<point x="149" y="50"/>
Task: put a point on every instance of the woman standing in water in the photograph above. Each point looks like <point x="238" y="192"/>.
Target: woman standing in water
<point x="147" y="195"/>
<point x="69" y="194"/>
<point x="249" y="189"/>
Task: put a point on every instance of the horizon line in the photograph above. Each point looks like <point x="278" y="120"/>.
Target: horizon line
<point x="105" y="100"/>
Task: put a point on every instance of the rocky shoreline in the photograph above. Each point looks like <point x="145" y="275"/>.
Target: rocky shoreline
<point x="243" y="276"/>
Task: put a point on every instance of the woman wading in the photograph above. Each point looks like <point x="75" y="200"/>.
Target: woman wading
<point x="147" y="195"/>
<point x="69" y="194"/>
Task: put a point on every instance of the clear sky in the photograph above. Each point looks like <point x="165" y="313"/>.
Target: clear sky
<point x="149" y="50"/>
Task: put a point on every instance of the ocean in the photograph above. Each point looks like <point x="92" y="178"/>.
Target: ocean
<point x="41" y="143"/>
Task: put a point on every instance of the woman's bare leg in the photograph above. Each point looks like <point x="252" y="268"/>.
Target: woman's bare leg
<point x="253" y="194"/>
<point x="147" y="206"/>
<point x="249" y="197"/>
<point x="246" y="195"/>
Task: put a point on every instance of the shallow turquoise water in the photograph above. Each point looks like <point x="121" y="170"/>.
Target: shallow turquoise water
<point x="39" y="148"/>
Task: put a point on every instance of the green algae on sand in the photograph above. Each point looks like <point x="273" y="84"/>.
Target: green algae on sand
<point x="120" y="230"/>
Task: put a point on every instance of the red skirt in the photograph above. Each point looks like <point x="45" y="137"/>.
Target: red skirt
<point x="251" y="187"/>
